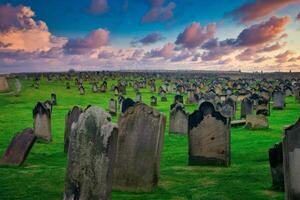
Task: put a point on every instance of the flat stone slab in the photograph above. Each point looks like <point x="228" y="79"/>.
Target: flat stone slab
<point x="236" y="123"/>
<point x="19" y="148"/>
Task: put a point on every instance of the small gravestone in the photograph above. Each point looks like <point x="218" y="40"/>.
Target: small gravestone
<point x="71" y="117"/>
<point x="153" y="101"/>
<point x="278" y="100"/>
<point x="68" y="86"/>
<point x="42" y="122"/>
<point x="291" y="161"/>
<point x="91" y="156"/>
<point x="276" y="165"/>
<point x="19" y="148"/>
<point x="112" y="107"/>
<point x="103" y="88"/>
<point x="263" y="107"/>
<point x="178" y="120"/>
<point x="140" y="141"/>
<point x="81" y="90"/>
<point x="257" y="122"/>
<point x="53" y="99"/>
<point x="138" y="97"/>
<point x="191" y="97"/>
<point x="209" y="136"/>
<point x="94" y="88"/>
<point x="163" y="96"/>
<point x="246" y="107"/>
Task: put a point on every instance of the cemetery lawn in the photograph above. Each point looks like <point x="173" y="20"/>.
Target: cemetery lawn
<point x="42" y="175"/>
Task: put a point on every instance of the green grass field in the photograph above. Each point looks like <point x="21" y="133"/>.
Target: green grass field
<point x="42" y="175"/>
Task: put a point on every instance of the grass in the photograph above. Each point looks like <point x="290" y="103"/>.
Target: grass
<point x="42" y="175"/>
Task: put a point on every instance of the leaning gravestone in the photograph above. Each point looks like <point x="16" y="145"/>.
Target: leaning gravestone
<point x="42" y="122"/>
<point x="71" y="117"/>
<point x="291" y="161"/>
<point x="140" y="141"/>
<point x="276" y="164"/>
<point x="19" y="148"/>
<point x="178" y="120"/>
<point x="209" y="136"/>
<point x="91" y="156"/>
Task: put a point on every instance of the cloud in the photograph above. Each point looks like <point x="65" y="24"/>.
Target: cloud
<point x="258" y="9"/>
<point x="225" y="62"/>
<point x="246" y="55"/>
<point x="284" y="57"/>
<point x="98" y="7"/>
<point x="149" y="39"/>
<point x="167" y="51"/>
<point x="294" y="59"/>
<point x="183" y="55"/>
<point x="22" y="32"/>
<point x="93" y="40"/>
<point x="217" y="49"/>
<point x="298" y="17"/>
<point x="158" y="12"/>
<point x="263" y="32"/>
<point x="194" y="35"/>
<point x="261" y="59"/>
<point x="269" y="48"/>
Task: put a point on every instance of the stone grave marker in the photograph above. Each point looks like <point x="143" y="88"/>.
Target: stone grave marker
<point x="246" y="107"/>
<point x="278" y="100"/>
<point x="178" y="120"/>
<point x="276" y="165"/>
<point x="42" y="122"/>
<point x="153" y="101"/>
<point x="112" y="107"/>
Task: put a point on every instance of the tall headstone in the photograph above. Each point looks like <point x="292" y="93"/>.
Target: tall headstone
<point x="246" y="107"/>
<point x="112" y="107"/>
<point x="291" y="161"/>
<point x="71" y="117"/>
<point x="19" y="148"/>
<point x="278" y="99"/>
<point x="140" y="141"/>
<point x="178" y="120"/>
<point x="42" y="122"/>
<point x="276" y="165"/>
<point x="209" y="136"/>
<point x="91" y="156"/>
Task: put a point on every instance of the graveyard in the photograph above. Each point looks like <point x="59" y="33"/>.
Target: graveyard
<point x="241" y="171"/>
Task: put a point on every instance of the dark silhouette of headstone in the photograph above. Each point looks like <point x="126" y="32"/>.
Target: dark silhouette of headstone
<point x="246" y="107"/>
<point x="18" y="148"/>
<point x="126" y="104"/>
<point x="53" y="99"/>
<point x="276" y="165"/>
<point x="153" y="101"/>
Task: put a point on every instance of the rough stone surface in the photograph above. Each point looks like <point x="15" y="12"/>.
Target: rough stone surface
<point x="71" y="117"/>
<point x="209" y="137"/>
<point x="291" y="161"/>
<point x="140" y="141"/>
<point x="91" y="156"/>
<point x="19" y="148"/>
<point x="42" y="122"/>
<point x="3" y="84"/>
<point x="246" y="107"/>
<point x="278" y="100"/>
<point x="257" y="122"/>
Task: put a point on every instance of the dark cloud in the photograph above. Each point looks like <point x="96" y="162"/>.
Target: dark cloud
<point x="148" y="39"/>
<point x="158" y="12"/>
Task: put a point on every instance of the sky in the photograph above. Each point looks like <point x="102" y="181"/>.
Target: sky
<point x="56" y="35"/>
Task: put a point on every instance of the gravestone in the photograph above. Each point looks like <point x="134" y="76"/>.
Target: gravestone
<point x="291" y="161"/>
<point x="3" y="84"/>
<point x="91" y="156"/>
<point x="94" y="88"/>
<point x="138" y="97"/>
<point x="178" y="99"/>
<point x="112" y="107"/>
<point x="68" y="86"/>
<point x="42" y="122"/>
<point x="163" y="96"/>
<point x="71" y="117"/>
<point x="278" y="100"/>
<point x="191" y="97"/>
<point x="178" y="120"/>
<point x="259" y="121"/>
<point x="140" y="141"/>
<point x="208" y="136"/>
<point x="53" y="99"/>
<point x="18" y="148"/>
<point x="48" y="104"/>
<point x="276" y="165"/>
<point x="127" y="103"/>
<point x="81" y="90"/>
<point x="263" y="107"/>
<point x="153" y="101"/>
<point x="246" y="107"/>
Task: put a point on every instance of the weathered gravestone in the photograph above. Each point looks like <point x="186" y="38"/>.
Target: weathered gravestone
<point x="71" y="117"/>
<point x="91" y="156"/>
<point x="42" y="122"/>
<point x="291" y="161"/>
<point x="19" y="148"/>
<point x="140" y="141"/>
<point x="259" y="121"/>
<point x="81" y="90"/>
<point x="278" y="99"/>
<point x="127" y="103"/>
<point x="178" y="120"/>
<point x="276" y="165"/>
<point x="163" y="96"/>
<point x="138" y="97"/>
<point x="209" y="136"/>
<point x="3" y="84"/>
<point x="246" y="107"/>
<point x="153" y="101"/>
<point x="112" y="107"/>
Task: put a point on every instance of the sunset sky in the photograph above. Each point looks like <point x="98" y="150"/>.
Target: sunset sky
<point x="57" y="35"/>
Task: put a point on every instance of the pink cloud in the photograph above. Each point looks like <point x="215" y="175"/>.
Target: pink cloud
<point x="194" y="35"/>
<point x="98" y="7"/>
<point x="93" y="40"/>
<point x="167" y="51"/>
<point x="284" y="57"/>
<point x="158" y="12"/>
<point x="261" y="59"/>
<point x="269" y="48"/>
<point x="149" y="39"/>
<point x="263" y="32"/>
<point x="258" y="9"/>
<point x="246" y="55"/>
<point x="298" y="17"/>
